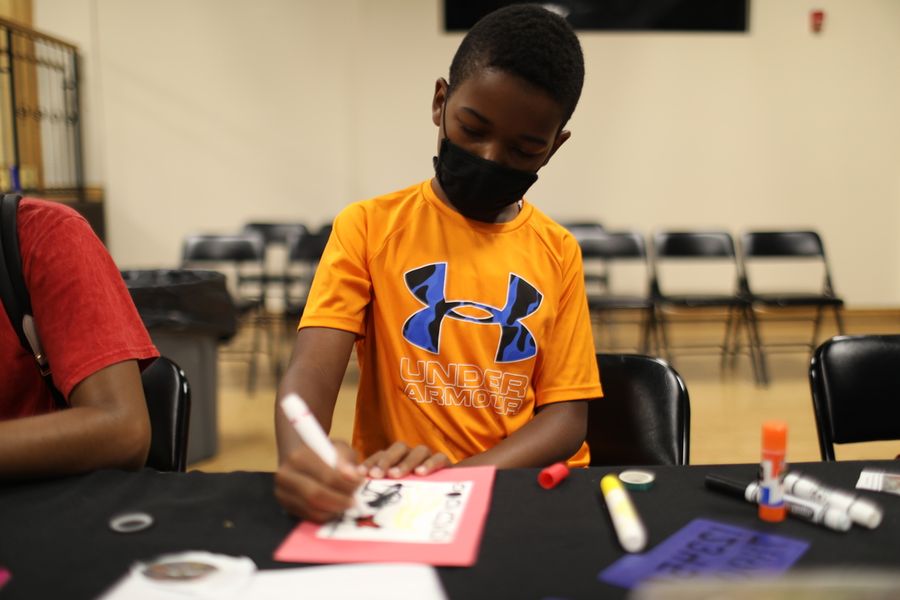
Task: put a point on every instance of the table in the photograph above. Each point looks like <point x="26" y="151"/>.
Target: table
<point x="55" y="540"/>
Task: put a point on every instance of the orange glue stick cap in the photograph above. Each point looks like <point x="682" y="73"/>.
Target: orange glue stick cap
<point x="774" y="436"/>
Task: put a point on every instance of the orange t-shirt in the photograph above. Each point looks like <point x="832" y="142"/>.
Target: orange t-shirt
<point x="464" y="327"/>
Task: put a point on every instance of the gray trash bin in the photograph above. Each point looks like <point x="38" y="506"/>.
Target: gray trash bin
<point x="188" y="314"/>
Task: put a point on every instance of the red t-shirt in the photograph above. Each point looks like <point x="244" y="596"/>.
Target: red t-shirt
<point x="84" y="314"/>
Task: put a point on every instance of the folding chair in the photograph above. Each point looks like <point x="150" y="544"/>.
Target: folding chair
<point x="304" y="252"/>
<point x="243" y="256"/>
<point x="785" y="276"/>
<point x="276" y="239"/>
<point x="616" y="252"/>
<point x="708" y="281"/>
<point x="855" y="382"/>
<point x="644" y="417"/>
<point x="168" y="397"/>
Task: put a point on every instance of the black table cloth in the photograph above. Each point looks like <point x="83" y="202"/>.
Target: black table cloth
<point x="56" y="541"/>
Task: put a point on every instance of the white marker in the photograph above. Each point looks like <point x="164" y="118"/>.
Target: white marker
<point x="625" y="519"/>
<point x="307" y="427"/>
<point x="861" y="510"/>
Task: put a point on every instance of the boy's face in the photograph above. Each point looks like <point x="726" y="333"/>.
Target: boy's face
<point x="500" y="117"/>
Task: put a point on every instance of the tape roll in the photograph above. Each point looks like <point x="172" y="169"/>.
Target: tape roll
<point x="637" y="480"/>
<point x="130" y="522"/>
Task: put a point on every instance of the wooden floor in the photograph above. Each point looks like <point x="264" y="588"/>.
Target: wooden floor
<point x="727" y="409"/>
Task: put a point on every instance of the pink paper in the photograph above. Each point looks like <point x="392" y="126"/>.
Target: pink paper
<point x="302" y="545"/>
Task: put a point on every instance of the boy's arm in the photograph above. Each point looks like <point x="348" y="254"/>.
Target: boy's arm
<point x="554" y="434"/>
<point x="106" y="427"/>
<point x="315" y="373"/>
<point x="305" y="485"/>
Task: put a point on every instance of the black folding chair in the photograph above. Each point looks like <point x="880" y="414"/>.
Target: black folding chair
<point x="768" y="255"/>
<point x="710" y="258"/>
<point x="168" y="397"/>
<point x="243" y="257"/>
<point x="277" y="238"/>
<point x="644" y="417"/>
<point x="855" y="382"/>
<point x="609" y="300"/>
<point x="304" y="252"/>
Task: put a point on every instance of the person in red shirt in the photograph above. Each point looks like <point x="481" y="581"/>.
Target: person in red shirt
<point x="466" y="303"/>
<point x="96" y="344"/>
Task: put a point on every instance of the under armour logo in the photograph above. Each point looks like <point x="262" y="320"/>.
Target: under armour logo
<point x="423" y="328"/>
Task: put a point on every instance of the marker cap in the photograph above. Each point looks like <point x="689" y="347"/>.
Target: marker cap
<point x="551" y="476"/>
<point x="865" y="513"/>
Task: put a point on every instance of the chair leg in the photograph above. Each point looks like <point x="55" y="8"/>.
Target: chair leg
<point x="663" y="334"/>
<point x="254" y="351"/>
<point x="817" y="325"/>
<point x="737" y="348"/>
<point x="731" y="343"/>
<point x="757" y="353"/>
<point x="272" y="333"/>
<point x="646" y="324"/>
<point x="839" y="320"/>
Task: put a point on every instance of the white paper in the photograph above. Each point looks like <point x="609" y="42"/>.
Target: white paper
<point x="879" y="481"/>
<point x="408" y="511"/>
<point x="227" y="578"/>
<point x="372" y="581"/>
<point x="237" y="577"/>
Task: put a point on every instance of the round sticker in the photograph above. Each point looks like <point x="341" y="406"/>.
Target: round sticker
<point x="179" y="570"/>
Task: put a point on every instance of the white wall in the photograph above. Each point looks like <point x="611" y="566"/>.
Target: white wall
<point x="203" y="114"/>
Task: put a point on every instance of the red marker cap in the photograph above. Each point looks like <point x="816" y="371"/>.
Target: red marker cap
<point x="551" y="476"/>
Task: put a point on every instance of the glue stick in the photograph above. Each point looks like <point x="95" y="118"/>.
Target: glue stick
<point x="771" y="472"/>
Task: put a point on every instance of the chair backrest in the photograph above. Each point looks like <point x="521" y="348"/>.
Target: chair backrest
<point x="761" y="247"/>
<point x="782" y="243"/>
<point x="691" y="260"/>
<point x="644" y="417"/>
<point x="308" y="247"/>
<point x="276" y="233"/>
<point x="168" y="398"/>
<point x="304" y="252"/>
<point x="581" y="229"/>
<point x="693" y="244"/>
<point x="855" y="382"/>
<point x="240" y="256"/>
<point x="237" y="248"/>
<point x="615" y="264"/>
<point x="612" y="245"/>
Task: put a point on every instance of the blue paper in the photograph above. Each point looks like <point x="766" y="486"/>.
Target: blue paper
<point x="706" y="547"/>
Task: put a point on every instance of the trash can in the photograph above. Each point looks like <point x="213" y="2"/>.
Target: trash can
<point x="188" y="314"/>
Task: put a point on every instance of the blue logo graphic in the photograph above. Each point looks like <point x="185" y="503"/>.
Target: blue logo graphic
<point x="423" y="328"/>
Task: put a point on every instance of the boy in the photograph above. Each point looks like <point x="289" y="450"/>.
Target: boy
<point x="93" y="337"/>
<point x="466" y="303"/>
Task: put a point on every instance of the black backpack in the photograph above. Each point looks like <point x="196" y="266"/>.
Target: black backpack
<point x="14" y="293"/>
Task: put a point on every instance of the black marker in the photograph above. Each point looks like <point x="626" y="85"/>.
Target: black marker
<point x="807" y="510"/>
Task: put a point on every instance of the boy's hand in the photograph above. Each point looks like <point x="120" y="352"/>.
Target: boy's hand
<point x="400" y="460"/>
<point x="308" y="488"/>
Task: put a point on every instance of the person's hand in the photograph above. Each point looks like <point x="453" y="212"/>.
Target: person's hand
<point x="308" y="488"/>
<point x="400" y="460"/>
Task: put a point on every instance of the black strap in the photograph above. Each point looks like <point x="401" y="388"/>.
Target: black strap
<point x="14" y="292"/>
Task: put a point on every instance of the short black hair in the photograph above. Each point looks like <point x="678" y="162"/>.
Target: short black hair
<point x="530" y="42"/>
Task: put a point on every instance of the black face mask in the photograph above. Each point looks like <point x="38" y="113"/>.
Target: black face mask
<point x="478" y="188"/>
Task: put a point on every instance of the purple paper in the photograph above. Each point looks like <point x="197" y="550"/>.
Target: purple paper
<point x="705" y="547"/>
